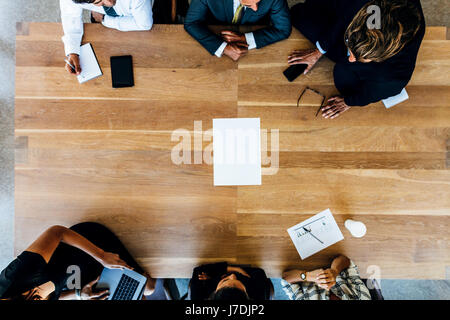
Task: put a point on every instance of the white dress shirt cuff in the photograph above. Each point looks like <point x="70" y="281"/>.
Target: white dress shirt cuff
<point x="110" y="22"/>
<point x="320" y="48"/>
<point x="250" y="40"/>
<point x="71" y="46"/>
<point x="219" y="52"/>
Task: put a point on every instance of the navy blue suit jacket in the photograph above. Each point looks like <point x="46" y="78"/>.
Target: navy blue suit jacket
<point x="326" y="21"/>
<point x="202" y="13"/>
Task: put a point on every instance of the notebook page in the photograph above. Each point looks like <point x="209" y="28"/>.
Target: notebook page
<point x="90" y="68"/>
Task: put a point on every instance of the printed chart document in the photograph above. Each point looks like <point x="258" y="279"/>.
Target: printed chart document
<point x="90" y="69"/>
<point x="237" y="152"/>
<point x="315" y="234"/>
<point x="392" y="101"/>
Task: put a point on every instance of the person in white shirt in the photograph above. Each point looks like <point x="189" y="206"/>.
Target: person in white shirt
<point x="123" y="15"/>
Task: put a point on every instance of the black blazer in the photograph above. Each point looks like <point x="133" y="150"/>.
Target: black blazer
<point x="364" y="83"/>
<point x="204" y="12"/>
<point x="257" y="286"/>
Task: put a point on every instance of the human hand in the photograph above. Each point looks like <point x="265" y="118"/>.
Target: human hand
<point x="311" y="276"/>
<point x="238" y="270"/>
<point x="231" y="36"/>
<point x="112" y="261"/>
<point x="203" y="276"/>
<point x="74" y="59"/>
<point x="327" y="279"/>
<point x="308" y="57"/>
<point x="235" y="51"/>
<point x="150" y="285"/>
<point x="98" y="17"/>
<point x="335" y="106"/>
<point x="87" y="293"/>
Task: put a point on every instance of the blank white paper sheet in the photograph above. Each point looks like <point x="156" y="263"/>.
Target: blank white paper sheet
<point x="237" y="152"/>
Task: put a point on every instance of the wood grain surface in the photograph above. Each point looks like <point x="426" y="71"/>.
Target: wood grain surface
<point x="92" y="153"/>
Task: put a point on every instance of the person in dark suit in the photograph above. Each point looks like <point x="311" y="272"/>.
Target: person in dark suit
<point x="220" y="281"/>
<point x="373" y="42"/>
<point x="237" y="12"/>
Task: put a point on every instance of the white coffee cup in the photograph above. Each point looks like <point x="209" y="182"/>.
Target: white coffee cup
<point x="356" y="228"/>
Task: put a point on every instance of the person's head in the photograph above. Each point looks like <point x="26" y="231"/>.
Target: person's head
<point x="252" y="4"/>
<point x="399" y="22"/>
<point x="230" y="288"/>
<point x="99" y="3"/>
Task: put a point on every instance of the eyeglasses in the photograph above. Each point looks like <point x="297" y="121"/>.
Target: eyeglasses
<point x="315" y="91"/>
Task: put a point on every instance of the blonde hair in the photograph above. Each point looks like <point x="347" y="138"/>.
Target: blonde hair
<point x="400" y="21"/>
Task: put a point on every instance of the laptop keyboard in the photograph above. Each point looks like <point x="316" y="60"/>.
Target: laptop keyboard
<point x="126" y="288"/>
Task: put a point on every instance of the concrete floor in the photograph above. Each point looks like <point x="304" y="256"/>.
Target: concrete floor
<point x="437" y="12"/>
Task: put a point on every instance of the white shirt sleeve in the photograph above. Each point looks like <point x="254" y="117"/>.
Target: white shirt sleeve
<point x="219" y="52"/>
<point x="72" y="22"/>
<point x="320" y="48"/>
<point x="250" y="40"/>
<point x="141" y="18"/>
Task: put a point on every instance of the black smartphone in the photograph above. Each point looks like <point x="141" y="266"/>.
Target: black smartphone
<point x="294" y="71"/>
<point x="122" y="72"/>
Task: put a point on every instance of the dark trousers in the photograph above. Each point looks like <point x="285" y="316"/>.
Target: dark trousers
<point x="66" y="255"/>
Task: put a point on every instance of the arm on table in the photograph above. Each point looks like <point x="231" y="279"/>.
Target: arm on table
<point x="195" y="25"/>
<point x="141" y="19"/>
<point x="72" y="22"/>
<point x="279" y="30"/>
<point x="340" y="263"/>
<point x="48" y="241"/>
<point x="372" y="92"/>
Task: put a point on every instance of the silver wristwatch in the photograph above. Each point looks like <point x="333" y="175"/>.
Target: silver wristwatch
<point x="303" y="276"/>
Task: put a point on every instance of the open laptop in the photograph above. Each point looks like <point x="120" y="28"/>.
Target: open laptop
<point x="122" y="284"/>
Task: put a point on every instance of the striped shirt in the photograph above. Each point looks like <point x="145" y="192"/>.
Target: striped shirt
<point x="349" y="286"/>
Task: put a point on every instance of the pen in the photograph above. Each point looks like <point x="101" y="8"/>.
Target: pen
<point x="309" y="231"/>
<point x="67" y="61"/>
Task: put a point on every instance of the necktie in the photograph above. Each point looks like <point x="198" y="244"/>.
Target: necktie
<point x="238" y="14"/>
<point x="110" y="11"/>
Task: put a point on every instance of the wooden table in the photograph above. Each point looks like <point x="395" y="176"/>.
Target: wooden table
<point x="91" y="153"/>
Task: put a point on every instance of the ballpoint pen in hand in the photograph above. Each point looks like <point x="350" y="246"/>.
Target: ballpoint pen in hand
<point x="70" y="65"/>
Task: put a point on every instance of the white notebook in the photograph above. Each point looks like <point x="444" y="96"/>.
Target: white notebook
<point x="315" y="234"/>
<point x="90" y="69"/>
<point x="237" y="152"/>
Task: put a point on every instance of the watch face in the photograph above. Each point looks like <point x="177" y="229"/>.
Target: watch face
<point x="303" y="276"/>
